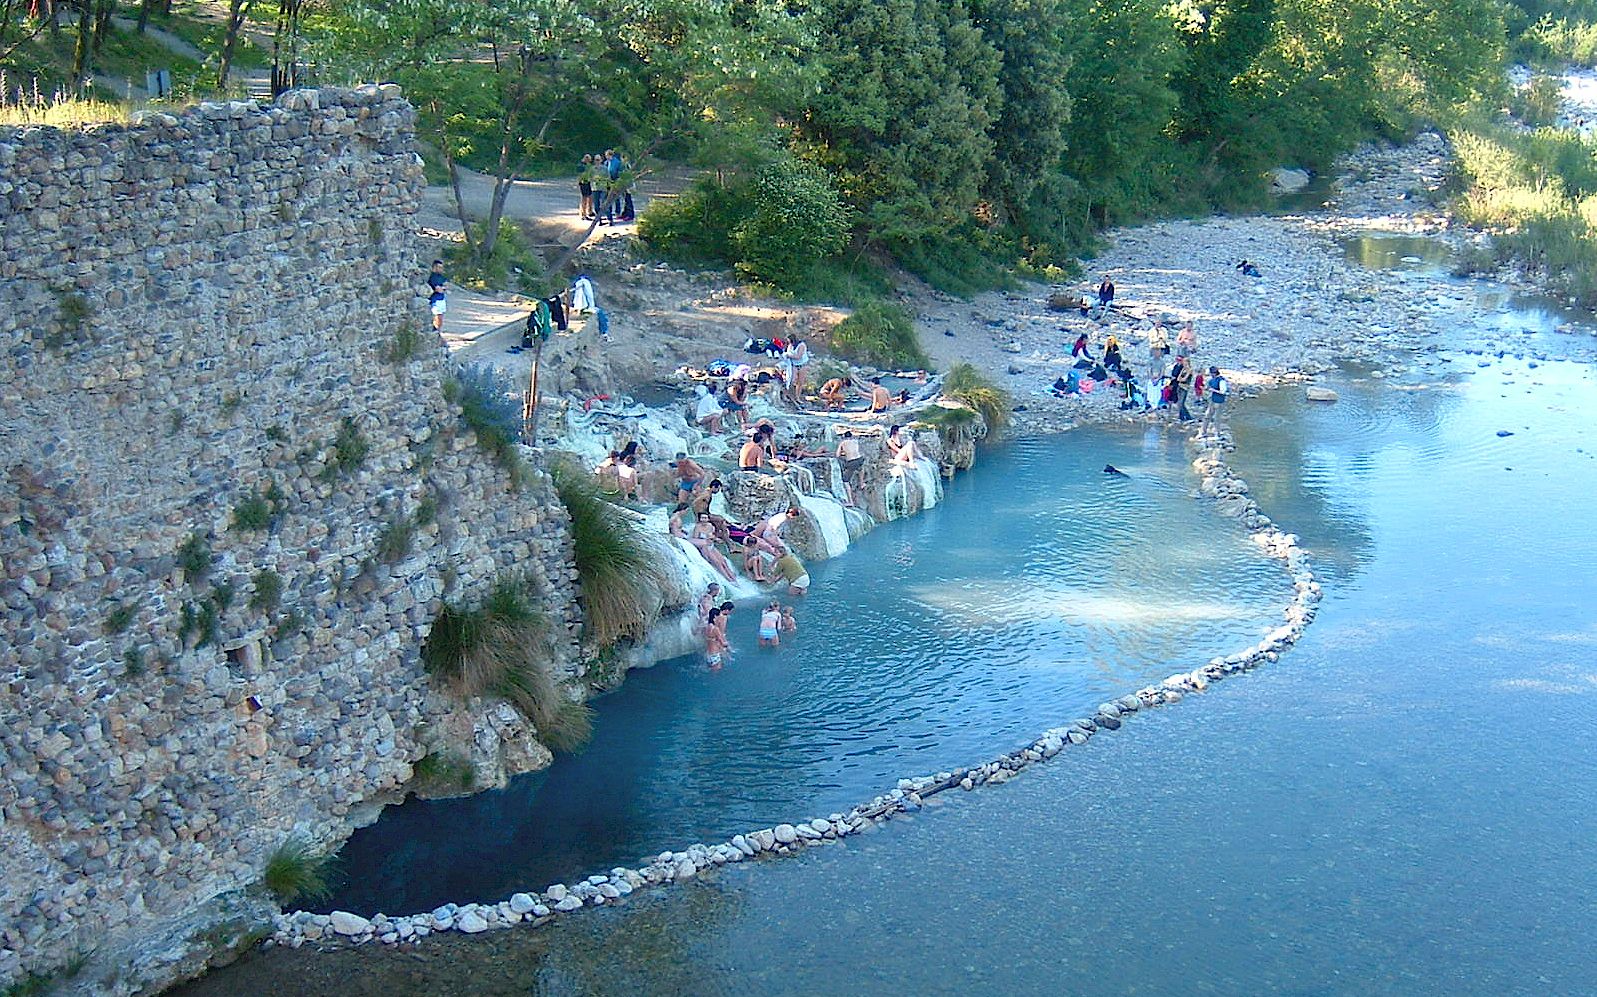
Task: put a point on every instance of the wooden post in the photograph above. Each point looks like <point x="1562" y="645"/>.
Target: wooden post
<point x="532" y="396"/>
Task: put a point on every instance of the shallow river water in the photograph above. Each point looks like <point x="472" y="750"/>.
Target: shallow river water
<point x="1038" y="588"/>
<point x="1404" y="804"/>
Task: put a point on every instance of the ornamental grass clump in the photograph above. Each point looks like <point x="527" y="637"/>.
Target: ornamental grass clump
<point x="617" y="563"/>
<point x="502" y="649"/>
<point x="969" y="386"/>
<point x="294" y="872"/>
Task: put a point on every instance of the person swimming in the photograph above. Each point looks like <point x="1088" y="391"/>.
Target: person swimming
<point x="1111" y="469"/>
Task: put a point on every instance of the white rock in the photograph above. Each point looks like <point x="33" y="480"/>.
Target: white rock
<point x="522" y="903"/>
<point x="1315" y="393"/>
<point x="568" y="903"/>
<point x="472" y="922"/>
<point x="685" y="869"/>
<point x="556" y="892"/>
<point x="347" y="924"/>
<point x="785" y="834"/>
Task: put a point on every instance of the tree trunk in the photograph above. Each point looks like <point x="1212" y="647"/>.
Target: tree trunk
<point x="102" y="21"/>
<point x="460" y="202"/>
<point x="145" y="6"/>
<point x="237" y="11"/>
<point x="80" y="51"/>
<point x="496" y="212"/>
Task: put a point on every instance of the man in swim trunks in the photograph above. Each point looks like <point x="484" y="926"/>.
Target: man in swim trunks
<point x="752" y="456"/>
<point x="689" y="476"/>
<point x="881" y="398"/>
<point x="848" y="452"/>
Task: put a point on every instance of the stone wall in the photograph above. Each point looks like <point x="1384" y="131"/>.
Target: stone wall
<point x="229" y="511"/>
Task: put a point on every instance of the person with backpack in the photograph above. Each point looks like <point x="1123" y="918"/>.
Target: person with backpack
<point x="1219" y="389"/>
<point x="1181" y="386"/>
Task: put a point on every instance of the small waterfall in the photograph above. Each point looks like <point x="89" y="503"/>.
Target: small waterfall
<point x="924" y="472"/>
<point x="830" y="520"/>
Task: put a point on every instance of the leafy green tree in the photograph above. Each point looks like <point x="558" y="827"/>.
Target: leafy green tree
<point x="1025" y="174"/>
<point x="905" y="113"/>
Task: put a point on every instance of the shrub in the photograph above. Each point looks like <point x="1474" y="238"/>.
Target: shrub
<point x="133" y="662"/>
<point x="426" y="511"/>
<point x="268" y="592"/>
<point x="407" y="343"/>
<point x="293" y="871"/>
<point x="396" y="540"/>
<point x="963" y="262"/>
<point x="511" y="266"/>
<point x="252" y="512"/>
<point x="797" y="219"/>
<point x="616" y="563"/>
<point x="881" y="334"/>
<point x="276" y="433"/>
<point x="194" y="557"/>
<point x="447" y="771"/>
<point x="197" y="621"/>
<point x="969" y="386"/>
<point x="491" y="405"/>
<point x="502" y="649"/>
<point x="695" y="227"/>
<point x="1539" y="102"/>
<point x="350" y="448"/>
<point x="120" y="618"/>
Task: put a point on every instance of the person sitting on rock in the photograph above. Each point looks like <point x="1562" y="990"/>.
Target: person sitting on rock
<point x="880" y="398"/>
<point x="832" y="394"/>
<point x="907" y="453"/>
<point x="707" y="412"/>
<point x="757" y="561"/>
<point x="1079" y="348"/>
<point x="752" y="455"/>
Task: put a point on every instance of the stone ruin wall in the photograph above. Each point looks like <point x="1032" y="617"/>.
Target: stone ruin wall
<point x="198" y="307"/>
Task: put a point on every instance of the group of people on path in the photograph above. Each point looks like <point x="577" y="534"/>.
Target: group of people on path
<point x="604" y="182"/>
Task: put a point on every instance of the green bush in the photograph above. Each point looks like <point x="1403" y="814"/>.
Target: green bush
<point x="396" y="540"/>
<point x="350" y="448"/>
<point x="1539" y="102"/>
<point x="293" y="872"/>
<point x="963" y="263"/>
<point x="120" y="618"/>
<point x="616" y="561"/>
<point x="252" y="512"/>
<point x="268" y="586"/>
<point x="797" y="219"/>
<point x="695" y="227"/>
<point x="969" y="386"/>
<point x="194" y="557"/>
<point x="502" y="649"/>
<point x="881" y="334"/>
<point x="446" y="771"/>
<point x="407" y="343"/>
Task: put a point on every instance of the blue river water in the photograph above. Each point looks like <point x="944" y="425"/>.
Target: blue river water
<point x="1404" y="804"/>
<point x="1040" y="587"/>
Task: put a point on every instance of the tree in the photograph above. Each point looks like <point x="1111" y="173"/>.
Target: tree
<point x="906" y="110"/>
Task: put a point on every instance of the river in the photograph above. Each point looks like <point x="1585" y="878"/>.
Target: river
<point x="1403" y="804"/>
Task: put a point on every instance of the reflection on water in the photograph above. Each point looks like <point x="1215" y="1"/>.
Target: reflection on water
<point x="1397" y="252"/>
<point x="1041" y="587"/>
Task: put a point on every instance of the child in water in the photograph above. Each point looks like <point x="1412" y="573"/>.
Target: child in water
<point x="771" y="625"/>
<point x="789" y="624"/>
<point x="715" y="644"/>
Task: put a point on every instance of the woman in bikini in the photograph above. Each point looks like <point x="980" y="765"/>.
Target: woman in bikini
<point x="703" y="540"/>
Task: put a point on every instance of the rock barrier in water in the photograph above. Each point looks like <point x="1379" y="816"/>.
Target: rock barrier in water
<point x="1217" y="482"/>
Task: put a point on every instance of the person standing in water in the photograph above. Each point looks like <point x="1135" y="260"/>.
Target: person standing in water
<point x="1219" y="390"/>
<point x="716" y="648"/>
<point x="771" y="625"/>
